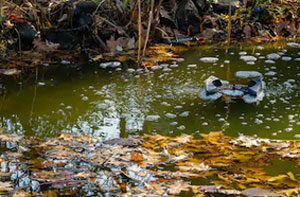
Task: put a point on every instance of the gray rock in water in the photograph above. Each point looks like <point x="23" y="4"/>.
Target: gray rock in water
<point x="209" y="59"/>
<point x="186" y="14"/>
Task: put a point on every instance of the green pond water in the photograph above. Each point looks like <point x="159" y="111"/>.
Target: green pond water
<point x="127" y="101"/>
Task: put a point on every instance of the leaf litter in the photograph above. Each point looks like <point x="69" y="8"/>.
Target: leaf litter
<point x="153" y="165"/>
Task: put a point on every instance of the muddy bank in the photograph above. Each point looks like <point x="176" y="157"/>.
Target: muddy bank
<point x="44" y="32"/>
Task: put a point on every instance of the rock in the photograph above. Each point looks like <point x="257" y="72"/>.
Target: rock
<point x="248" y="74"/>
<point x="273" y="56"/>
<point x="209" y="59"/>
<point x="222" y="6"/>
<point x="27" y="33"/>
<point x="83" y="14"/>
<point x="293" y="45"/>
<point x="248" y="58"/>
<point x="187" y="15"/>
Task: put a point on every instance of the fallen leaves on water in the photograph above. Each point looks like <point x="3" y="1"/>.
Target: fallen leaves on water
<point x="150" y="165"/>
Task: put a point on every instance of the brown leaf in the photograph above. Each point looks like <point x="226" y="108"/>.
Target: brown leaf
<point x="247" y="31"/>
<point x="136" y="156"/>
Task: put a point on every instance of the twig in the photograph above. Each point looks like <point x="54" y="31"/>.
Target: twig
<point x="229" y="27"/>
<point x="139" y="32"/>
<point x="98" y="7"/>
<point x="115" y="26"/>
<point x="148" y="29"/>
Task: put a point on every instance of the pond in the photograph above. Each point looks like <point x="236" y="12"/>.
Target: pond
<point x="127" y="101"/>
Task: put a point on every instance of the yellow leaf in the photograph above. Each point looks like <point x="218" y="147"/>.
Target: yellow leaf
<point x="277" y="178"/>
<point x="291" y="176"/>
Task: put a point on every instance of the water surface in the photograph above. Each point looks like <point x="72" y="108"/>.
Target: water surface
<point x="129" y="101"/>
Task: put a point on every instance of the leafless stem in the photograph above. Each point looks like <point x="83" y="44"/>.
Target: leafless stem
<point x="148" y="28"/>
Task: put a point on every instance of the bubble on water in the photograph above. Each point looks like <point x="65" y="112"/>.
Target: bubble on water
<point x="267" y="127"/>
<point x="274" y="134"/>
<point x="152" y="118"/>
<point x="226" y="61"/>
<point x="270" y="62"/>
<point x="180" y="59"/>
<point x="297" y="59"/>
<point x="221" y="120"/>
<point x="209" y="59"/>
<point x="273" y="56"/>
<point x="258" y="121"/>
<point x="167" y="70"/>
<point x="204" y="124"/>
<point x="257" y="54"/>
<point x="178" y="107"/>
<point x="173" y="123"/>
<point x="286" y="58"/>
<point x="298" y="123"/>
<point x="270" y="73"/>
<point x="218" y="115"/>
<point x="130" y="70"/>
<point x="166" y="104"/>
<point x="268" y="119"/>
<point x="276" y="119"/>
<point x="202" y="118"/>
<point x="173" y="65"/>
<point x="279" y="131"/>
<point x="241" y="118"/>
<point x="291" y="116"/>
<point x="244" y="123"/>
<point x="69" y="107"/>
<point x="251" y="63"/>
<point x="261" y="57"/>
<point x="84" y="98"/>
<point x="62" y="104"/>
<point x="260" y="47"/>
<point x="288" y="129"/>
<point x="170" y="115"/>
<point x="297" y="136"/>
<point x="192" y="66"/>
<point x="181" y="127"/>
<point x="41" y="83"/>
<point x="184" y="114"/>
<point x="242" y="53"/>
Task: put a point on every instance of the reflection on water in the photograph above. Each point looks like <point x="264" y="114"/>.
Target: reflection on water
<point x="128" y="101"/>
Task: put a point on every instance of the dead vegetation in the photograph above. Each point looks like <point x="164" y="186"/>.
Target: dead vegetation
<point x="55" y="30"/>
